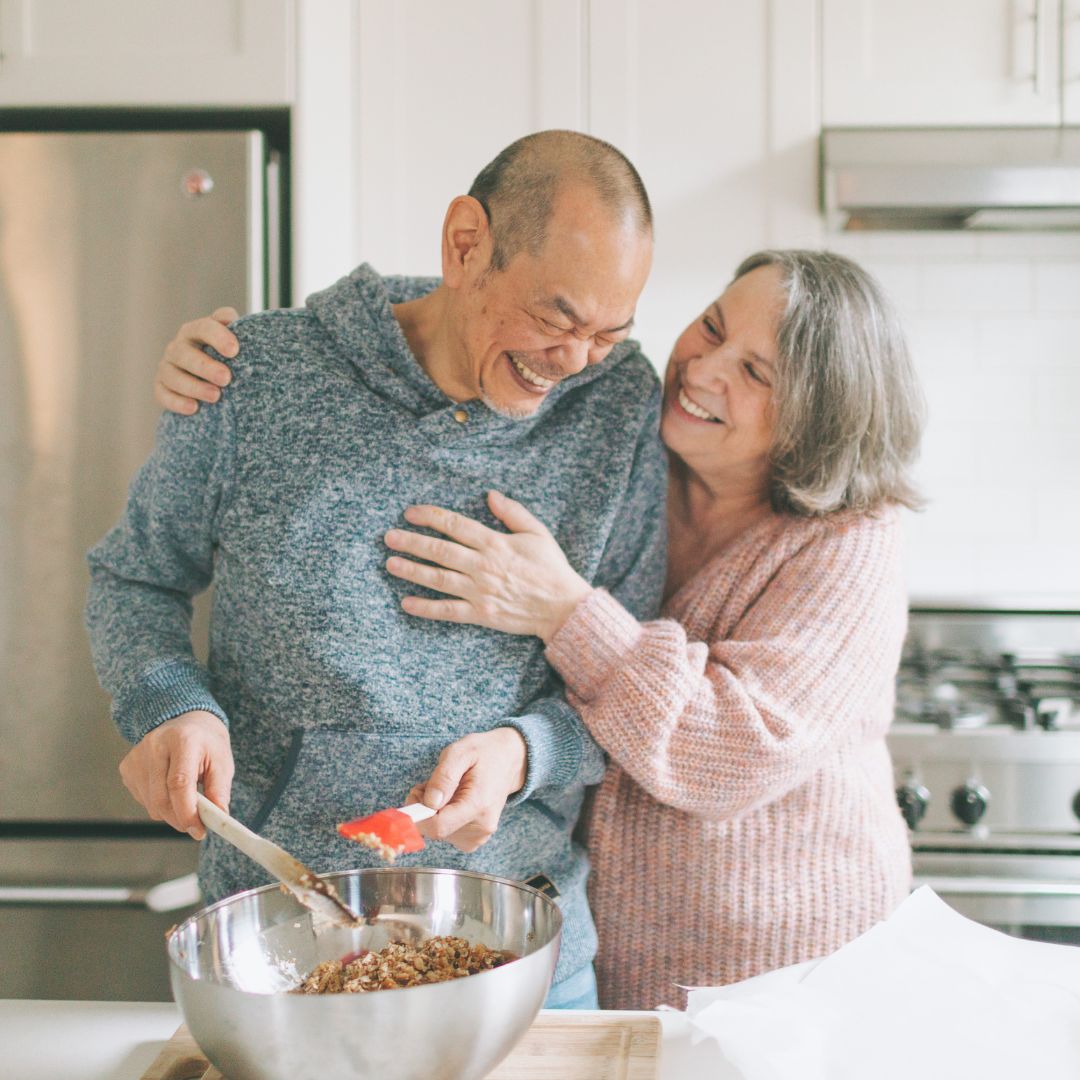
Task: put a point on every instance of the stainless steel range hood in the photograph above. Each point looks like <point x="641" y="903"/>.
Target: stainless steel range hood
<point x="951" y="178"/>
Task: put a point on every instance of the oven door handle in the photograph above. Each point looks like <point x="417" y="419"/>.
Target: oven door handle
<point x="993" y="886"/>
<point x="111" y="895"/>
<point x="171" y="895"/>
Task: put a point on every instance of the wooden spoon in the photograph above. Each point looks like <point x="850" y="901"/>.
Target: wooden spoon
<point x="311" y="890"/>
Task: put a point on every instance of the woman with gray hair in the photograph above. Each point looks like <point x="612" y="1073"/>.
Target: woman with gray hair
<point x="747" y="819"/>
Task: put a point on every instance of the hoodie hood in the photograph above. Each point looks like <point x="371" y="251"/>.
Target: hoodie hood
<point x="356" y="312"/>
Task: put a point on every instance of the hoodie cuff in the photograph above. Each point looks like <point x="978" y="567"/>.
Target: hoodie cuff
<point x="553" y="750"/>
<point x="166" y="691"/>
<point x="593" y="643"/>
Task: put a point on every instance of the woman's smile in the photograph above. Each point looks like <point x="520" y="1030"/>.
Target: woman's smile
<point x="693" y="410"/>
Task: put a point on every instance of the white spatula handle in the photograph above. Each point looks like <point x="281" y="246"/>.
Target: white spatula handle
<point x="417" y="811"/>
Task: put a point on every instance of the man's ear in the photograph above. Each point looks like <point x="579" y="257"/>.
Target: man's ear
<point x="466" y="241"/>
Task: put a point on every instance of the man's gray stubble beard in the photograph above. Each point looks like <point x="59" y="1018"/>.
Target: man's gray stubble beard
<point x="506" y="411"/>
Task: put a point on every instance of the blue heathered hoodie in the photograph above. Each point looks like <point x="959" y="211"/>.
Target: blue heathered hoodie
<point x="338" y="702"/>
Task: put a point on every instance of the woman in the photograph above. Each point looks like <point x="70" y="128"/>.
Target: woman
<point x="747" y="819"/>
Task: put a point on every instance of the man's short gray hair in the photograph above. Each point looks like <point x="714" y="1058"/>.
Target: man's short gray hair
<point x="849" y="409"/>
<point x="517" y="190"/>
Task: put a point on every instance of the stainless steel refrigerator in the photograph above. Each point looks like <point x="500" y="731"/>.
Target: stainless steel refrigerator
<point x="108" y="241"/>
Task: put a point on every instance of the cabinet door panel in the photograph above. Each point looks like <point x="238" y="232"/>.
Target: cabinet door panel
<point x="439" y="94"/>
<point x="924" y="62"/>
<point x="1070" y="61"/>
<point x="146" y="52"/>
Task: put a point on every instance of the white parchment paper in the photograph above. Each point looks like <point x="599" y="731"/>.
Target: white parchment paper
<point x="925" y="994"/>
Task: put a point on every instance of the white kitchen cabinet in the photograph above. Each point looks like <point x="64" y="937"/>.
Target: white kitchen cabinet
<point x="949" y="62"/>
<point x="146" y="52"/>
<point x="439" y="89"/>
<point x="1070" y="61"/>
<point x="712" y="101"/>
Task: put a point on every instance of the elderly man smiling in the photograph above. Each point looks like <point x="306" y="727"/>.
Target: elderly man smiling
<point x="323" y="700"/>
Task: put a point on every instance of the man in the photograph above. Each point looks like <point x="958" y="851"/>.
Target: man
<point x="323" y="699"/>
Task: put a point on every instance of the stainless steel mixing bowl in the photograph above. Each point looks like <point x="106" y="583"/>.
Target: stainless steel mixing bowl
<point x="232" y="963"/>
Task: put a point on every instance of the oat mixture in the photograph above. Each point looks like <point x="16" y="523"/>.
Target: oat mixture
<point x="436" y="960"/>
<point x="387" y="852"/>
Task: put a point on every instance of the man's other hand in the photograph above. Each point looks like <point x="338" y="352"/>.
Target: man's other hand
<point x="185" y="374"/>
<point x="470" y="785"/>
<point x="164" y="768"/>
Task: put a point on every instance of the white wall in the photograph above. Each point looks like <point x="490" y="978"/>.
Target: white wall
<point x="717" y="102"/>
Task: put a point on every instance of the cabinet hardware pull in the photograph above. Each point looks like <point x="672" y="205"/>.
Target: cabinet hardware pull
<point x="1037" y="71"/>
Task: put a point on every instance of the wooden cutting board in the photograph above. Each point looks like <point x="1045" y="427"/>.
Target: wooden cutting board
<point x="558" y="1046"/>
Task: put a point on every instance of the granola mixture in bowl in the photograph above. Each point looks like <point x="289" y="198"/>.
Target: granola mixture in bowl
<point x="400" y="964"/>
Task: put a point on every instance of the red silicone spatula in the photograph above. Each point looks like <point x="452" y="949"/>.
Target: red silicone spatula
<point x="389" y="832"/>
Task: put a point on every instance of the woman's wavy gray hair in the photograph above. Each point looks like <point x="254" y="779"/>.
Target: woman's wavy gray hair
<point x="849" y="409"/>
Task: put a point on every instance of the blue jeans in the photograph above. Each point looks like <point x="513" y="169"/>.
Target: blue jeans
<point x="577" y="991"/>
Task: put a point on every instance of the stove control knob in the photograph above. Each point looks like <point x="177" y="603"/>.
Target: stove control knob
<point x="969" y="802"/>
<point x="913" y="799"/>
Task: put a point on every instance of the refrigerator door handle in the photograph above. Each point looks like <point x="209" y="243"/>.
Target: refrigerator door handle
<point x="111" y="895"/>
<point x="171" y="895"/>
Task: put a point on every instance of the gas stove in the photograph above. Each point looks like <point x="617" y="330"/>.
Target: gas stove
<point x="986" y="738"/>
<point x="986" y="755"/>
<point x="951" y="689"/>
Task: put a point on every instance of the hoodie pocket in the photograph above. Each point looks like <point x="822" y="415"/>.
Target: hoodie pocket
<point x="337" y="774"/>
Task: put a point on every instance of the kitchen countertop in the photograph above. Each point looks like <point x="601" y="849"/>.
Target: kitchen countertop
<point x="83" y="1040"/>
<point x="110" y="1040"/>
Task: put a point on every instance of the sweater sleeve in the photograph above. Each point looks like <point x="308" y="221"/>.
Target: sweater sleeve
<point x="560" y="749"/>
<point x="144" y="573"/>
<point x="716" y="728"/>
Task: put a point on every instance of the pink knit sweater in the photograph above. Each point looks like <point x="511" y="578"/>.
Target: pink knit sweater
<point x="747" y="820"/>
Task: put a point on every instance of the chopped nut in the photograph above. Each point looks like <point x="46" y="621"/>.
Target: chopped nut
<point x="385" y="852"/>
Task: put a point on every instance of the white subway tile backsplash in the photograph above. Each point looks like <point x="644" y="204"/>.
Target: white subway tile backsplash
<point x="900" y="280"/>
<point x="1057" y="286"/>
<point x="1029" y="344"/>
<point x="979" y="400"/>
<point x="949" y="456"/>
<point x="977" y="571"/>
<point x="1057" y="515"/>
<point x="1031" y="458"/>
<point x="937" y="569"/>
<point x="942" y="343"/>
<point x="975" y="287"/>
<point x="1049" y="569"/>
<point x="1057" y="403"/>
<point x="994" y="326"/>
<point x="951" y="508"/>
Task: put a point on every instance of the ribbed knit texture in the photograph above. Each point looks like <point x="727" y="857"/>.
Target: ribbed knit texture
<point x="748" y="819"/>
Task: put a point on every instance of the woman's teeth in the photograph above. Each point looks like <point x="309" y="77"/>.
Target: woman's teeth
<point x="695" y="410"/>
<point x="530" y="376"/>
